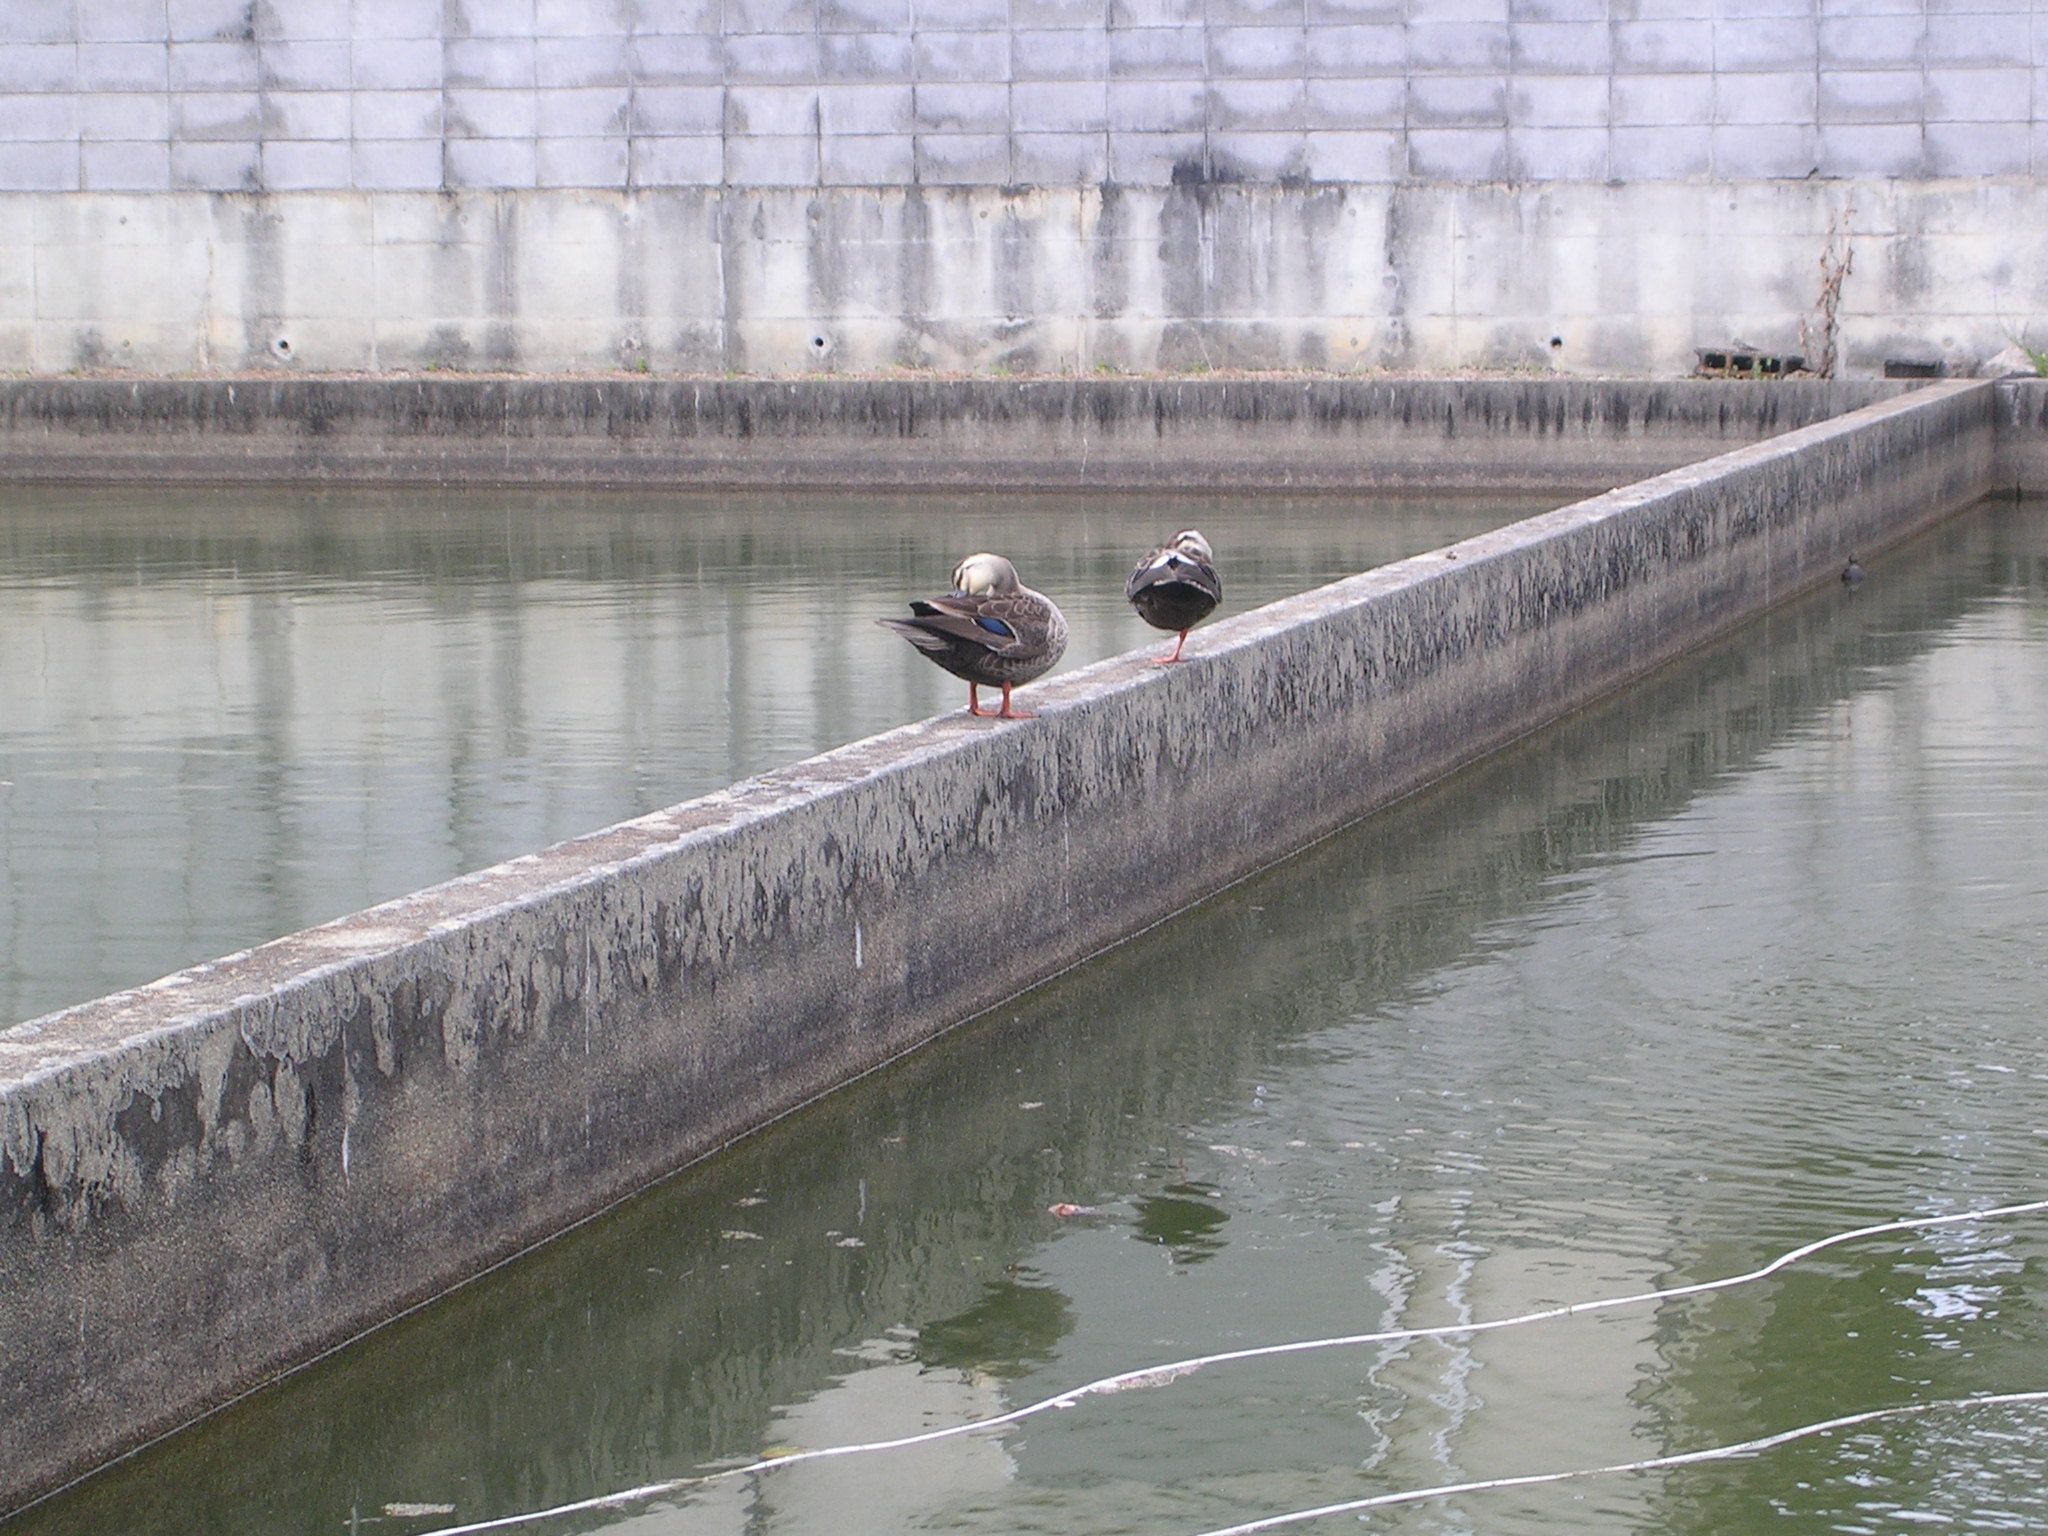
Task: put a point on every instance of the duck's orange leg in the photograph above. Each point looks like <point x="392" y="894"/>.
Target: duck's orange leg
<point x="1007" y="713"/>
<point x="1167" y="661"/>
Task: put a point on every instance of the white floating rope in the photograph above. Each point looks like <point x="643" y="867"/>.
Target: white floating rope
<point x="1160" y="1375"/>
<point x="1652" y="1464"/>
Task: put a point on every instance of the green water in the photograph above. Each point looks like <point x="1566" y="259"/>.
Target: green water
<point x="228" y="715"/>
<point x="1750" y="954"/>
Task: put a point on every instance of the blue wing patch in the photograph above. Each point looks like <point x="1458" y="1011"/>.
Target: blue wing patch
<point x="997" y="627"/>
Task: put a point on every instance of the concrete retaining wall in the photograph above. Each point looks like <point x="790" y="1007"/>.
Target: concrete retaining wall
<point x="1573" y="278"/>
<point x="205" y="1181"/>
<point x="2023" y="436"/>
<point x="779" y="185"/>
<point x="1257" y="434"/>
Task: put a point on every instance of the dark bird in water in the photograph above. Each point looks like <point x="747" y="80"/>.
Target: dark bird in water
<point x="990" y="629"/>
<point x="1852" y="573"/>
<point x="1176" y="587"/>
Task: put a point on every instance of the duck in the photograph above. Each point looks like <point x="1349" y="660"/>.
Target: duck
<point x="1176" y="587"/>
<point x="991" y="630"/>
<point x="1852" y="573"/>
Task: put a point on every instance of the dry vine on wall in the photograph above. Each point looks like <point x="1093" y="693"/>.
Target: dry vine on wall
<point x="1817" y="334"/>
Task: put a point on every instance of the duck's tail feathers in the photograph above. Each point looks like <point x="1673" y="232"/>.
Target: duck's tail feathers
<point x="918" y="635"/>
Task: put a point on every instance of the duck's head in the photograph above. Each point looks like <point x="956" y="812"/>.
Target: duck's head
<point x="1190" y="542"/>
<point x="979" y="574"/>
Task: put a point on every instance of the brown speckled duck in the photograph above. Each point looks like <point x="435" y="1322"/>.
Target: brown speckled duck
<point x="991" y="630"/>
<point x="1176" y="587"/>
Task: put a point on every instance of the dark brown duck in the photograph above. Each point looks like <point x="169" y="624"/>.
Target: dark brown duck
<point x="1176" y="587"/>
<point x="991" y="630"/>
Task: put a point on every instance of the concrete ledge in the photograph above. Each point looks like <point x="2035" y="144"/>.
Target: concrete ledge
<point x="206" y="1181"/>
<point x="1260" y="434"/>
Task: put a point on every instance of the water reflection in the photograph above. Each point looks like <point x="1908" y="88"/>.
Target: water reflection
<point x="1747" y="955"/>
<point x="1184" y="1220"/>
<point x="227" y="716"/>
<point x="1012" y="1327"/>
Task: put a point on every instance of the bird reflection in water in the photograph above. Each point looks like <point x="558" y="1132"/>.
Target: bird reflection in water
<point x="1014" y="1327"/>
<point x="1183" y="1220"/>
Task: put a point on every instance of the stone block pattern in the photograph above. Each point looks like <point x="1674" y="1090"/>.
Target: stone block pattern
<point x="455" y="95"/>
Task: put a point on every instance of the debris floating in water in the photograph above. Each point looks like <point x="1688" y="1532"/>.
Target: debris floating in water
<point x="1065" y="1208"/>
<point x="1139" y="1381"/>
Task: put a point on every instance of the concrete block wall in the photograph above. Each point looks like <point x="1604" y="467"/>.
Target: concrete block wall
<point x="434" y="95"/>
<point x="1028" y="184"/>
